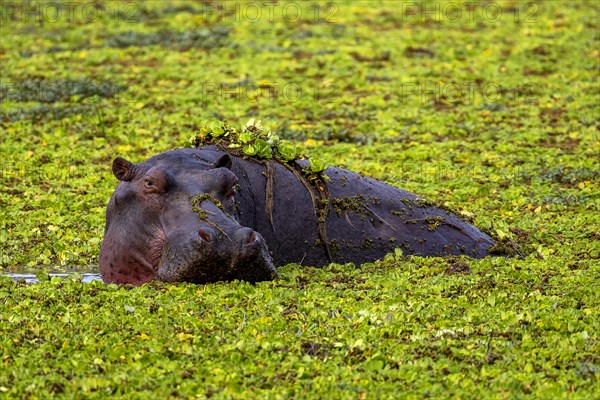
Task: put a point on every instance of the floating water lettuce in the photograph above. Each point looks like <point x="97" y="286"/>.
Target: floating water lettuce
<point x="253" y="140"/>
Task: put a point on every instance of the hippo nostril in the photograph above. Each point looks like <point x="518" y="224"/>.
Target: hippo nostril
<point x="251" y="238"/>
<point x="205" y="235"/>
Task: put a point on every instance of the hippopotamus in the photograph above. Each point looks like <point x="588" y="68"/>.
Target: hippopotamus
<point x="205" y="215"/>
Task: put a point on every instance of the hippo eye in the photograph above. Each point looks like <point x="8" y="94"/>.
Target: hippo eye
<point x="153" y="182"/>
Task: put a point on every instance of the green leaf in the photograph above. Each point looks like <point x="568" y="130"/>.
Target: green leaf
<point x="42" y="276"/>
<point x="263" y="149"/>
<point x="217" y="129"/>
<point x="75" y="276"/>
<point x="250" y="150"/>
<point x="273" y="140"/>
<point x="317" y="165"/>
<point x="244" y="137"/>
<point x="287" y="152"/>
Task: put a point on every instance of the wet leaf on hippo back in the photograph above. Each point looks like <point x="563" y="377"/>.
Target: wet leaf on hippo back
<point x="192" y="142"/>
<point x="287" y="152"/>
<point x="255" y="128"/>
<point x="245" y="137"/>
<point x="205" y="130"/>
<point x="249" y="150"/>
<point x="273" y="140"/>
<point x="217" y="129"/>
<point x="317" y="165"/>
<point x="263" y="149"/>
<point x="202" y="136"/>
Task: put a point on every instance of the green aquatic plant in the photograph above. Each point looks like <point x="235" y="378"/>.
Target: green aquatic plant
<point x="493" y="116"/>
<point x="253" y="140"/>
<point x="197" y="203"/>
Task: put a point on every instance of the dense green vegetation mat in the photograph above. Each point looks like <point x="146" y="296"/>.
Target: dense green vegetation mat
<point x="491" y="109"/>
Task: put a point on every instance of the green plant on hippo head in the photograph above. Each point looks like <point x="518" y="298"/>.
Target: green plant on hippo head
<point x="253" y="140"/>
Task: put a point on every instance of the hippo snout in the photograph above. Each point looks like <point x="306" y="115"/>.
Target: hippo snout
<point x="253" y="263"/>
<point x="248" y="238"/>
<point x="206" y="254"/>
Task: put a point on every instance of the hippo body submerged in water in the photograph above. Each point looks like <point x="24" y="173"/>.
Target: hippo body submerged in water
<point x="203" y="215"/>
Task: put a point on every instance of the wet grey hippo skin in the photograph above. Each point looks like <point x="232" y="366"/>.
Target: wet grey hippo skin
<point x="365" y="220"/>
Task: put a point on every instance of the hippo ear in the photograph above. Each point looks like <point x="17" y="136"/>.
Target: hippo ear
<point x="122" y="169"/>
<point x="223" y="162"/>
<point x="227" y="184"/>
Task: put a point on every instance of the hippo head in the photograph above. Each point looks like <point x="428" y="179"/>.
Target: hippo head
<point x="172" y="218"/>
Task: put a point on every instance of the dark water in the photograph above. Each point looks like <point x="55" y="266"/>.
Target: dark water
<point x="31" y="278"/>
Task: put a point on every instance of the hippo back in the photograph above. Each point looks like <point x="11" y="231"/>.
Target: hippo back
<point x="363" y="219"/>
